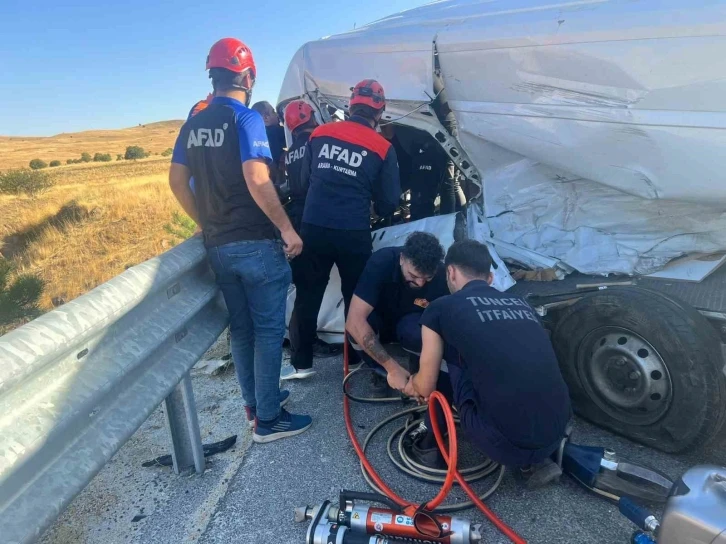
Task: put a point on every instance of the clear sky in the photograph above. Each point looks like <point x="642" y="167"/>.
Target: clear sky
<point x="82" y="64"/>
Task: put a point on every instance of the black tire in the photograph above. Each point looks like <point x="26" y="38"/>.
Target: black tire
<point x="585" y="337"/>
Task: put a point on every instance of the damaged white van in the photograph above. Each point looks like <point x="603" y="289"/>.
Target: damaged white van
<point x="592" y="136"/>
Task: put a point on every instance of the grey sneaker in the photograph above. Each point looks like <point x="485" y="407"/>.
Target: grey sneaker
<point x="295" y="374"/>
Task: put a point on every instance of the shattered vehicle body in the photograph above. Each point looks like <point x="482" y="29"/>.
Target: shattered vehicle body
<point x="597" y="127"/>
<point x="594" y="134"/>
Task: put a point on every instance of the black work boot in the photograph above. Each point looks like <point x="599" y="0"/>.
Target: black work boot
<point x="380" y="388"/>
<point x="413" y="363"/>
<point x="323" y="350"/>
<point x="418" y="447"/>
<point x="540" y="474"/>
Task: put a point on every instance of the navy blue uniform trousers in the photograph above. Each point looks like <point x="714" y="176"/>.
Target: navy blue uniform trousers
<point x="459" y="391"/>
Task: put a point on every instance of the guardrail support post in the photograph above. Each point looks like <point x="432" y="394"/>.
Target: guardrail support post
<point x="183" y="425"/>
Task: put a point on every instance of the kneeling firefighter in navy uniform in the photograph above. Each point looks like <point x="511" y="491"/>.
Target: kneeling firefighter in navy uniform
<point x="503" y="375"/>
<point x="347" y="166"/>
<point x="395" y="288"/>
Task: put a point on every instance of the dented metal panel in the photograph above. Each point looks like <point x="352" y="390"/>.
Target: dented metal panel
<point x="598" y="127"/>
<point x="77" y="382"/>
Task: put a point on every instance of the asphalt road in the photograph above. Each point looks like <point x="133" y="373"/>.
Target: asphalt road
<point x="247" y="495"/>
<point x="312" y="467"/>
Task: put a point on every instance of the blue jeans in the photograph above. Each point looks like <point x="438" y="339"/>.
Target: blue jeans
<point x="254" y="278"/>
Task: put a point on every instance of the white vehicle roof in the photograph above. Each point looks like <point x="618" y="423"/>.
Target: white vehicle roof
<point x="597" y="127"/>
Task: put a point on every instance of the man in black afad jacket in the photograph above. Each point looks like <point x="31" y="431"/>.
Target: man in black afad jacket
<point x="275" y="136"/>
<point x="300" y="121"/>
<point x="348" y="165"/>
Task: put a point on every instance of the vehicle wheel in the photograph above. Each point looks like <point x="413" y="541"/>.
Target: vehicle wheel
<point x="643" y="365"/>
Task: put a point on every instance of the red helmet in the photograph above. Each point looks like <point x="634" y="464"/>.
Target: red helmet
<point x="233" y="55"/>
<point x="370" y="93"/>
<point x="297" y="112"/>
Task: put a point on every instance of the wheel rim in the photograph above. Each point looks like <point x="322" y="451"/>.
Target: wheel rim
<point x="624" y="375"/>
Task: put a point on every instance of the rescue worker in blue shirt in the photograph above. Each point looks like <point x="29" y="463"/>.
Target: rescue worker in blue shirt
<point x="503" y="375"/>
<point x="225" y="148"/>
<point x="348" y="165"/>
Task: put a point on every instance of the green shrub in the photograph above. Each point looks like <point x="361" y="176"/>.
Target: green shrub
<point x="85" y="157"/>
<point x="29" y="182"/>
<point x="168" y="151"/>
<point x="134" y="152"/>
<point x="181" y="226"/>
<point x="102" y="157"/>
<point x="53" y="164"/>
<point x="19" y="297"/>
<point x="37" y="164"/>
<point x="119" y="157"/>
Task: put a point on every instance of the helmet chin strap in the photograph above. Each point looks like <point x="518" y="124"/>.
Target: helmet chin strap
<point x="248" y="93"/>
<point x="247" y="90"/>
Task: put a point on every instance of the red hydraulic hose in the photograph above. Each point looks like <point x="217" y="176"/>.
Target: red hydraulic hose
<point x="357" y="447"/>
<point x="450" y="455"/>
<point x="450" y="459"/>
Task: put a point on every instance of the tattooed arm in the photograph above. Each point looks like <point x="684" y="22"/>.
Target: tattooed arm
<point x="358" y="327"/>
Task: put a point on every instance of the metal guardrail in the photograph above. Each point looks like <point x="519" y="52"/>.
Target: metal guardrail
<point x="77" y="382"/>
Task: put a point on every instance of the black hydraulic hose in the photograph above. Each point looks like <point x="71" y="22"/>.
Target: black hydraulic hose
<point x="346" y="495"/>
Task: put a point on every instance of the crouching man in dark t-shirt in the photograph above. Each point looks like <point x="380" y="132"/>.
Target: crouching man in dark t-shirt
<point x="396" y="286"/>
<point x="504" y="376"/>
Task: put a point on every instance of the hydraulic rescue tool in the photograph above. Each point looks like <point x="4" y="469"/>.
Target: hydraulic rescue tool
<point x="354" y="522"/>
<point x="695" y="511"/>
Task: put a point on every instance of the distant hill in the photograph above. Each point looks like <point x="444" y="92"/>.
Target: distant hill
<point x="18" y="151"/>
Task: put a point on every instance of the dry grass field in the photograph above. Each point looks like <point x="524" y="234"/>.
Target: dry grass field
<point x="98" y="218"/>
<point x="17" y="152"/>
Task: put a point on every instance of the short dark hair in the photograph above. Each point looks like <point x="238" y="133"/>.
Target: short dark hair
<point x="471" y="257"/>
<point x="225" y="80"/>
<point x="262" y="106"/>
<point x="364" y="110"/>
<point x="424" y="251"/>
